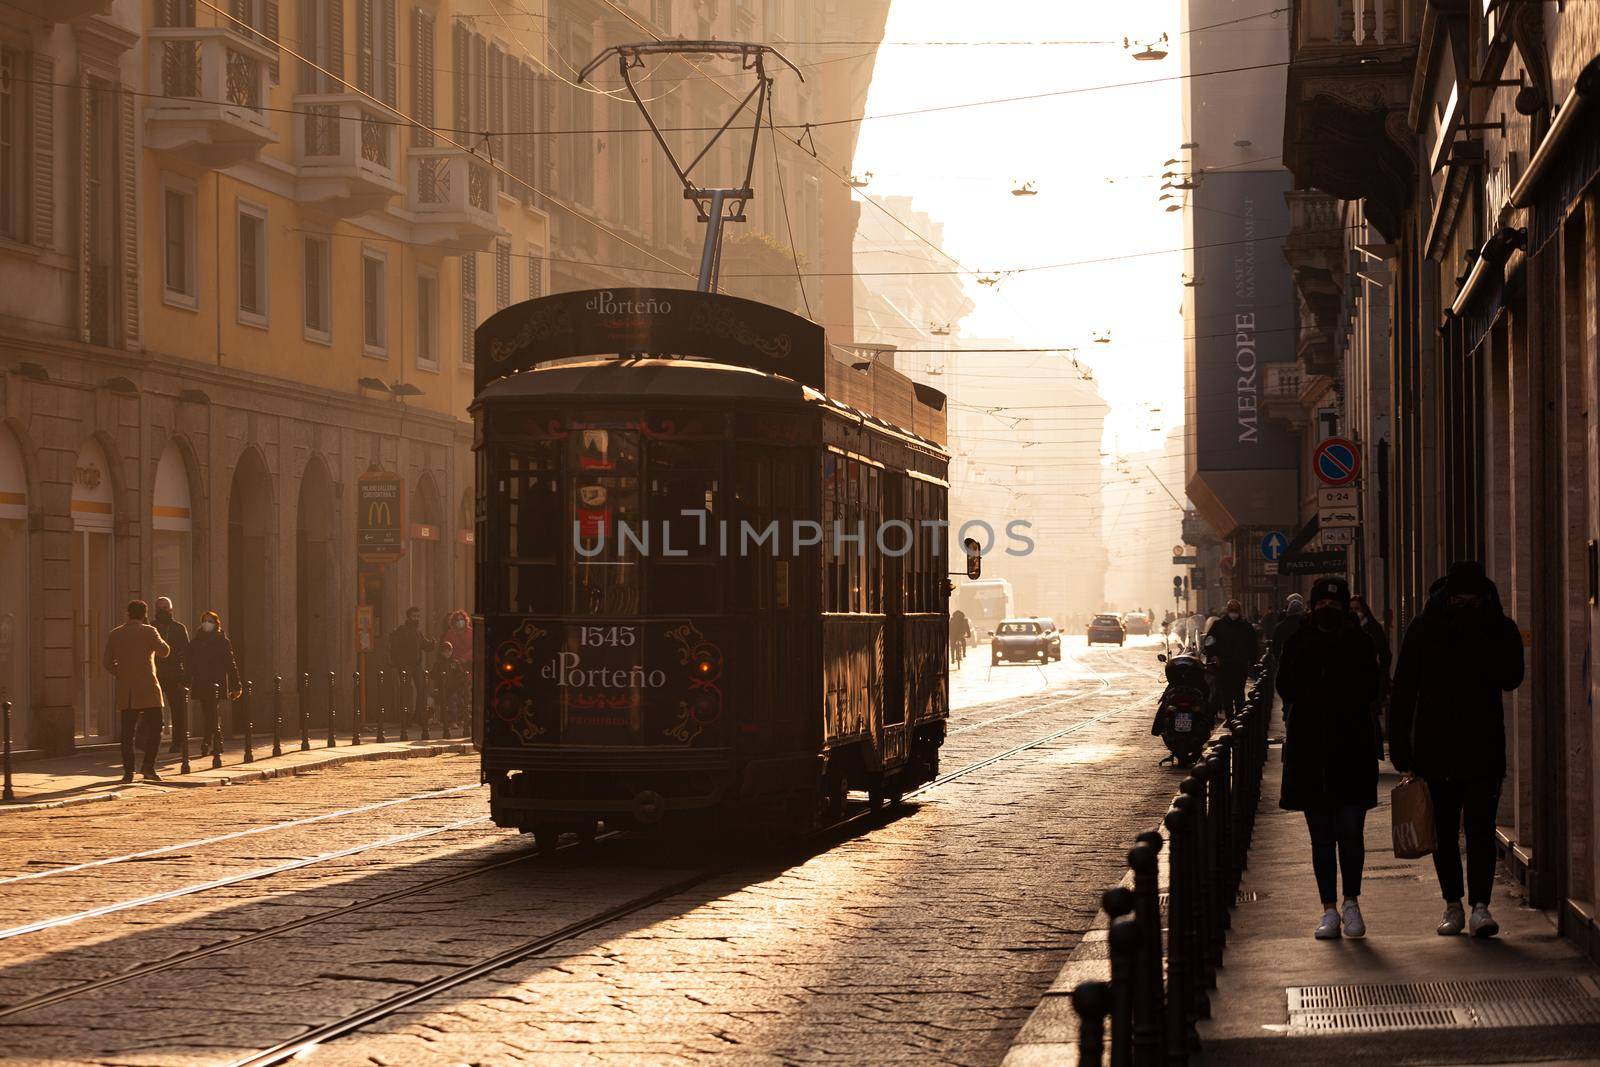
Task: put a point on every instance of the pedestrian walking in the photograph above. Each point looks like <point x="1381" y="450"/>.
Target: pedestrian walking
<point x="408" y="650"/>
<point x="173" y="672"/>
<point x="1330" y="762"/>
<point x="213" y="672"/>
<point x="131" y="653"/>
<point x="1447" y="726"/>
<point x="960" y="635"/>
<point x="1234" y="646"/>
<point x="1380" y="646"/>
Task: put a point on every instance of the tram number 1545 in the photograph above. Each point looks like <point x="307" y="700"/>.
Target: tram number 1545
<point x="608" y="636"/>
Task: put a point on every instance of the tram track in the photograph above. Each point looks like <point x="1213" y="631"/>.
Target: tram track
<point x="303" y="1046"/>
<point x="862" y="819"/>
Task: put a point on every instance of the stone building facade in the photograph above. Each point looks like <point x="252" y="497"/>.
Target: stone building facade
<point x="1458" y="143"/>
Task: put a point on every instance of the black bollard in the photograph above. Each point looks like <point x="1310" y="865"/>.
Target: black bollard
<point x="9" y="793"/>
<point x="1149" y="1016"/>
<point x="183" y="702"/>
<point x="249" y="723"/>
<point x="1091" y="1000"/>
<point x="214" y="727"/>
<point x="403" y="698"/>
<point x="1124" y="967"/>
<point x="333" y="709"/>
<point x="305" y="711"/>
<point x="1181" y="1035"/>
<point x="355" y="708"/>
<point x="277" y="714"/>
<point x="1200" y="877"/>
<point x="383" y="709"/>
<point x="427" y="688"/>
<point x="1118" y="903"/>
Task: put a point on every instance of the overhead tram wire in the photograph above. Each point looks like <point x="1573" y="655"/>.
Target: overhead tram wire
<point x="417" y="124"/>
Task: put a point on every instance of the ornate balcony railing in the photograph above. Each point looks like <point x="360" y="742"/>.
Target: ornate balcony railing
<point x="345" y="149"/>
<point x="213" y="85"/>
<point x="1355" y="25"/>
<point x="451" y="192"/>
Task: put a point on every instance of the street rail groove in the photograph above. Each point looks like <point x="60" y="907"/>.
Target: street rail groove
<point x="235" y="835"/>
<point x="232" y="879"/>
<point x="302" y="1046"/>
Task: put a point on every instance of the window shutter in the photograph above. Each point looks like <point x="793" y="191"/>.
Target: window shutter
<point x="272" y="35"/>
<point x="43" y="71"/>
<point x="423" y="76"/>
<point x="335" y="61"/>
<point x="364" y="46"/>
<point x="469" y="307"/>
<point x="535" y="275"/>
<point x="502" y="274"/>
<point x="495" y="84"/>
<point x="240" y="9"/>
<point x="458" y="81"/>
<point x="307" y="28"/>
<point x="514" y="142"/>
<point x="128" y="194"/>
<point x="391" y="48"/>
<point x="480" y="91"/>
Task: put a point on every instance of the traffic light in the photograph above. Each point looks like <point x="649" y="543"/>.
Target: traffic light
<point x="1177" y="586"/>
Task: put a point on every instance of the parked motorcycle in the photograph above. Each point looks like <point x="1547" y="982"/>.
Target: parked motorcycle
<point x="1187" y="711"/>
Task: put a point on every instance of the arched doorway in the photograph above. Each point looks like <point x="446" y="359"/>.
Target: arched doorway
<point x="251" y="557"/>
<point x="172" y="536"/>
<point x="317" y="580"/>
<point x="427" y="561"/>
<point x="94" y="610"/>
<point x="14" y="584"/>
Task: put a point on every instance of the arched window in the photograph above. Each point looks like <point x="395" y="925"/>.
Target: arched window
<point x="172" y="536"/>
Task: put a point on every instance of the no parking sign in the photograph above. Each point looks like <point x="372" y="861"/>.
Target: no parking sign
<point x="1337" y="461"/>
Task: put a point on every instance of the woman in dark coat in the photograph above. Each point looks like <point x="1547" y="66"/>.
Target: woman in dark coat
<point x="1329" y="672"/>
<point x="213" y="673"/>
<point x="1380" y="643"/>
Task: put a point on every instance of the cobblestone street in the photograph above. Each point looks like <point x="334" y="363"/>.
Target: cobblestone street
<point x="926" y="933"/>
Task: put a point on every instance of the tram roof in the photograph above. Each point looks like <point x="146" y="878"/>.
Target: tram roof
<point x="647" y="379"/>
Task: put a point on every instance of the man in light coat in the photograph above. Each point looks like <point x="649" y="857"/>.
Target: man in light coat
<point x="131" y="653"/>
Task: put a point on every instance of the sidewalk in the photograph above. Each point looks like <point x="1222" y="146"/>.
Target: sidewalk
<point x="1403" y="995"/>
<point x="96" y="774"/>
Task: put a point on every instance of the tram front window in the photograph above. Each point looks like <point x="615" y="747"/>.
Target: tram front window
<point x="530" y="487"/>
<point x="605" y="497"/>
<point x="684" y="510"/>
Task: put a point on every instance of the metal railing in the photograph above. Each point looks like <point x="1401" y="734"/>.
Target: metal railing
<point x="1155" y="998"/>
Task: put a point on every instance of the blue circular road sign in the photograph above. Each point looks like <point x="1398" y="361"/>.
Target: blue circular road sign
<point x="1337" y="461"/>
<point x="1272" y="546"/>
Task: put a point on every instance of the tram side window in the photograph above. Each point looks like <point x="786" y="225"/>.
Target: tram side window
<point x="684" y="479"/>
<point x="851" y="550"/>
<point x="872" y="514"/>
<point x="529" y="489"/>
<point x="938" y="538"/>
<point x="604" y="487"/>
<point x="835" y="574"/>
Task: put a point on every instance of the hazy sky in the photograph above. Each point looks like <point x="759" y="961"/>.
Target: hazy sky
<point x="961" y="165"/>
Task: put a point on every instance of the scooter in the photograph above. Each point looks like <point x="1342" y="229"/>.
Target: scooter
<point x="1187" y="711"/>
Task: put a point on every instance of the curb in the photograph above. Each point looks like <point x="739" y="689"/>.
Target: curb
<point x="245" y="777"/>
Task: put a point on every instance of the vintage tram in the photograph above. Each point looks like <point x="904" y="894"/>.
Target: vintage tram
<point x="704" y="585"/>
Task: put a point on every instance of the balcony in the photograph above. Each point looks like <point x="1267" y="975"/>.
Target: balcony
<point x="52" y="11"/>
<point x="346" y="153"/>
<point x="1281" y="384"/>
<point x="451" y="199"/>
<point x="214" y="86"/>
<point x="1349" y="89"/>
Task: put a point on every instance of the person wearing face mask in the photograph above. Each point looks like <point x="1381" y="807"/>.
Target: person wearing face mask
<point x="1330" y="760"/>
<point x="1447" y="726"/>
<point x="1235" y="649"/>
<point x="214" y="673"/>
<point x="173" y="672"/>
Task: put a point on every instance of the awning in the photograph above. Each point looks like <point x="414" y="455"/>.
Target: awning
<point x="1567" y="160"/>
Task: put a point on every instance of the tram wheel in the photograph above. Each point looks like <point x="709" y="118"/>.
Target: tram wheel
<point x="835" y="790"/>
<point x="546" y="836"/>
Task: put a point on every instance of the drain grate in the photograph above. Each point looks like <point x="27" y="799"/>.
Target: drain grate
<point x="1244" y="896"/>
<point x="1445" y="1004"/>
<point x="1313" y="997"/>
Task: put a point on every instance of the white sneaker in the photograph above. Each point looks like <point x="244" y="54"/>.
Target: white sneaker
<point x="1354" y="925"/>
<point x="1328" y="928"/>
<point x="1482" y="924"/>
<point x="1454" y="919"/>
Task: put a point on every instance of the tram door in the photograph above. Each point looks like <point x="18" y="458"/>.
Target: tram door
<point x="896" y="506"/>
<point x="767" y="594"/>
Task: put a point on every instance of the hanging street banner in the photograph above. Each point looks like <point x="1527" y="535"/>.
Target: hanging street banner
<point x="380" y="517"/>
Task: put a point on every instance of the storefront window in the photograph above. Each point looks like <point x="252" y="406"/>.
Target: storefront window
<point x="172" y="525"/>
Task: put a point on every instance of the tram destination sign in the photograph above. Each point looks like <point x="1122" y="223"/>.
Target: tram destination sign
<point x="655" y="322"/>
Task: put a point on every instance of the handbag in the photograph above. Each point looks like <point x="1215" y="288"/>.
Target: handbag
<point x="1411" y="807"/>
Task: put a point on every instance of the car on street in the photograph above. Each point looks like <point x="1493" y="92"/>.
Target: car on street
<point x="1025" y="640"/>
<point x="1106" y="629"/>
<point x="1137" y="622"/>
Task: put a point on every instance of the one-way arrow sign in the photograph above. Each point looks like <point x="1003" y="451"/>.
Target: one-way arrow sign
<point x="1272" y="546"/>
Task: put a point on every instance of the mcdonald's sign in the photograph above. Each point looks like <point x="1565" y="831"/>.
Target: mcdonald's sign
<point x="381" y="517"/>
